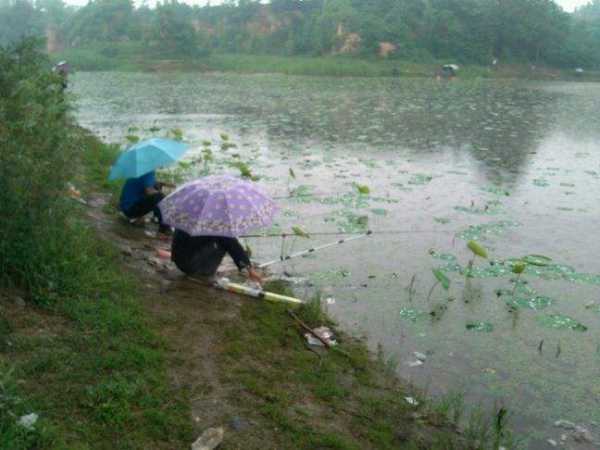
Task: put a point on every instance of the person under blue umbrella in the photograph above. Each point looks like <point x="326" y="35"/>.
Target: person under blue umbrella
<point x="142" y="193"/>
<point x="141" y="196"/>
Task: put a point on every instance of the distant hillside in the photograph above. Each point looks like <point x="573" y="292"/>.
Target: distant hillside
<point x="463" y="31"/>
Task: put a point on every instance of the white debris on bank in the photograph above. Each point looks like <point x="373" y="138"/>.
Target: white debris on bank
<point x="210" y="439"/>
<point x="28" y="421"/>
<point x="411" y="401"/>
<point x="420" y="356"/>
<point x="578" y="433"/>
<point x="325" y="333"/>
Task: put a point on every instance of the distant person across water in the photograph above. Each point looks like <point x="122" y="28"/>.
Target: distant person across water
<point x="447" y="72"/>
<point x="62" y="69"/>
<point x="142" y="195"/>
<point x="202" y="255"/>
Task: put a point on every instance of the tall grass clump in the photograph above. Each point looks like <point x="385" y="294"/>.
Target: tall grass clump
<point x="104" y="380"/>
<point x="36" y="163"/>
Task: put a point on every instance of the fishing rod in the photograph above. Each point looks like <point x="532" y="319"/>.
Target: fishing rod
<point x="240" y="289"/>
<point x="226" y="285"/>
<point x="341" y="233"/>
<point x="312" y="250"/>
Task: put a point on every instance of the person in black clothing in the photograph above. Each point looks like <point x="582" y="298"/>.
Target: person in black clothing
<point x="202" y="255"/>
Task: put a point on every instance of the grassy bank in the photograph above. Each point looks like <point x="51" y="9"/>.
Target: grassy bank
<point x="85" y="356"/>
<point x="76" y="347"/>
<point x="133" y="57"/>
<point x="338" y="399"/>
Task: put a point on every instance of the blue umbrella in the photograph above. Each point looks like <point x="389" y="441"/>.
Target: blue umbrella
<point x="146" y="156"/>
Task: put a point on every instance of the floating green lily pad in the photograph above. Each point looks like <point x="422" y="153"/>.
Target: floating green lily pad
<point x="480" y="232"/>
<point x="443" y="256"/>
<point x="379" y="211"/>
<point x="441" y="220"/>
<point x="420" y="179"/>
<point x="485" y="271"/>
<point x="302" y="193"/>
<point x="496" y="190"/>
<point x="349" y="200"/>
<point x="348" y="221"/>
<point x="412" y="315"/>
<point x="484" y="327"/>
<point x="536" y="303"/>
<point x="537" y="260"/>
<point x="561" y="322"/>
<point x="490" y="208"/>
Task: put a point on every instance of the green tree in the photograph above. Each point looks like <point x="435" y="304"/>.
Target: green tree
<point x="102" y="21"/>
<point x="173" y="32"/>
<point x="19" y="19"/>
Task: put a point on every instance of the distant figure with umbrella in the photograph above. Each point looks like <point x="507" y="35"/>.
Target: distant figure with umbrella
<point x="208" y="214"/>
<point x="141" y="192"/>
<point x="62" y="68"/>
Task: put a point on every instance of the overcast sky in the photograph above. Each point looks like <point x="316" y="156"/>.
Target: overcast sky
<point x="568" y="5"/>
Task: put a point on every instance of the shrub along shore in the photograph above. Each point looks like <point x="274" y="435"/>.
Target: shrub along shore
<point x="133" y="58"/>
<point x="83" y="350"/>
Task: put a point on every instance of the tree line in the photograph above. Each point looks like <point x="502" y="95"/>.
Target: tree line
<point x="462" y="31"/>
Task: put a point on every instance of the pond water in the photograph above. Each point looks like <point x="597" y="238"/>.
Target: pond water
<point x="513" y="165"/>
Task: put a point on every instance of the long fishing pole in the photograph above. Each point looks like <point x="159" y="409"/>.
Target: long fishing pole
<point x="312" y="250"/>
<point x="341" y="233"/>
<point x="226" y="285"/>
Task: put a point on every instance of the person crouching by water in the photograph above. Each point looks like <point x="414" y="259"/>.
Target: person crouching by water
<point x="142" y="195"/>
<point x="202" y="255"/>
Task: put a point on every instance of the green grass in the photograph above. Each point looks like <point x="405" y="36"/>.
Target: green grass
<point x="133" y="56"/>
<point x="344" y="399"/>
<point x="314" y="66"/>
<point x="97" y="160"/>
<point x="84" y="355"/>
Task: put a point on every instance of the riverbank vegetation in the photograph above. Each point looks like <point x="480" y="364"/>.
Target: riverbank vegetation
<point x="108" y="34"/>
<point x="76" y="349"/>
<point x="89" y="358"/>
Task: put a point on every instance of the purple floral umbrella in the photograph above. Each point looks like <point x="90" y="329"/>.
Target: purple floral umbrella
<point x="218" y="206"/>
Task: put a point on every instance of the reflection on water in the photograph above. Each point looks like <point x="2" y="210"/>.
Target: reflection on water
<point x="514" y="165"/>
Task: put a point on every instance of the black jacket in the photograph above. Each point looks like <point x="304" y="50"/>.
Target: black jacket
<point x="203" y="254"/>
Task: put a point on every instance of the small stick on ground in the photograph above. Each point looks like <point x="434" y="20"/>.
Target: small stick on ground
<point x="309" y="329"/>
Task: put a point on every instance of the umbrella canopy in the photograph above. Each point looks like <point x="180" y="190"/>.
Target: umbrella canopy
<point x="218" y="206"/>
<point x="62" y="67"/>
<point x="146" y="156"/>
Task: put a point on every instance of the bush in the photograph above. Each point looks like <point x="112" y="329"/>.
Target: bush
<point x="38" y="158"/>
